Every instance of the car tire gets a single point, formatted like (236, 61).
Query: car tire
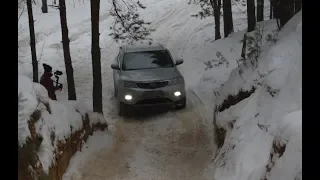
(182, 104)
(122, 109)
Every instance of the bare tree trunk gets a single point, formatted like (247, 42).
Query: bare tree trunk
(251, 15)
(285, 11)
(44, 7)
(297, 5)
(291, 8)
(96, 56)
(276, 12)
(32, 42)
(260, 13)
(227, 18)
(216, 10)
(271, 9)
(66, 51)
(244, 47)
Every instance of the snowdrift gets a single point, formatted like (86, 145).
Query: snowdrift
(50, 132)
(258, 114)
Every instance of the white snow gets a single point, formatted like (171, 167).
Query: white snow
(98, 141)
(262, 120)
(27, 104)
(192, 40)
(59, 121)
(62, 121)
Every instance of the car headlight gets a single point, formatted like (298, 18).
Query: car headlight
(128, 97)
(129, 84)
(174, 81)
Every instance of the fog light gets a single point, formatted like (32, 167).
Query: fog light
(128, 97)
(177, 93)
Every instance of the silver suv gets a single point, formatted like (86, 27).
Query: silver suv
(146, 76)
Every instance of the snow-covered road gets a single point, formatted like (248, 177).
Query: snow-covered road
(173, 145)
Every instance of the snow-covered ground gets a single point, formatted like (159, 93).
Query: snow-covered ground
(174, 145)
(264, 131)
(54, 121)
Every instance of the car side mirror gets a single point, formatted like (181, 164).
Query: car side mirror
(115, 66)
(179, 61)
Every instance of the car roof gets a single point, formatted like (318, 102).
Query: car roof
(142, 47)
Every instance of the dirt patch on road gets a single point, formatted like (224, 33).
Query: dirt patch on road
(114, 163)
(173, 146)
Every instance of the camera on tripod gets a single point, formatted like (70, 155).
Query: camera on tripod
(58, 73)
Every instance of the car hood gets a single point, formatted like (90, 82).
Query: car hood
(150, 74)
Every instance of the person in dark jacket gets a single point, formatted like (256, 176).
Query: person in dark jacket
(47, 82)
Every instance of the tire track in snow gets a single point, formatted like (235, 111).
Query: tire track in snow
(175, 145)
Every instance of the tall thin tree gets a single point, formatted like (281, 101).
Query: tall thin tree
(44, 6)
(32, 43)
(210, 8)
(227, 18)
(286, 11)
(251, 15)
(260, 8)
(216, 4)
(96, 57)
(66, 50)
(271, 9)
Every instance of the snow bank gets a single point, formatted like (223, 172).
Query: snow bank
(27, 104)
(263, 138)
(57, 121)
(98, 141)
(211, 67)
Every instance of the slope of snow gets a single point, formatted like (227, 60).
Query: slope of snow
(264, 141)
(27, 104)
(182, 137)
(58, 119)
(95, 143)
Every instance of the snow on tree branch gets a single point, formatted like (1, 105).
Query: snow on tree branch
(206, 9)
(128, 26)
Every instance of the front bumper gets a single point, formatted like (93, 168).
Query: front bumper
(152, 97)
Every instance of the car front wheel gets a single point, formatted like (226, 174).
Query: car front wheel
(121, 109)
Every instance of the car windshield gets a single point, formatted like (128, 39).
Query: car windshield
(147, 60)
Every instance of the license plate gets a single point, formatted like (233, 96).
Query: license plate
(153, 94)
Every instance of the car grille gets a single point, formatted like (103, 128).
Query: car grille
(152, 85)
(154, 101)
